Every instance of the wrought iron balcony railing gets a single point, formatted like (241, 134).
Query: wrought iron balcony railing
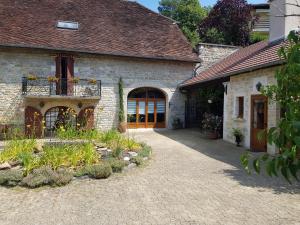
(41, 86)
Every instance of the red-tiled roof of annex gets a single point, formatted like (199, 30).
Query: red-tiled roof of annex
(108, 27)
(256, 56)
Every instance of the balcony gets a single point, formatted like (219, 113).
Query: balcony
(41, 87)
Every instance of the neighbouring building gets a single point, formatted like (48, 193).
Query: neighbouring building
(262, 14)
(65, 56)
(242, 74)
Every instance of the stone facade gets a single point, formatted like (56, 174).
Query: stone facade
(212, 53)
(244, 85)
(164, 75)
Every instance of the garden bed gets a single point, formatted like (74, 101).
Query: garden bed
(33, 163)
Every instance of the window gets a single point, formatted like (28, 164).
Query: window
(65, 73)
(240, 107)
(67, 25)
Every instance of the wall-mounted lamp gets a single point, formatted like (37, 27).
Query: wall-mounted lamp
(42, 104)
(80, 105)
(259, 86)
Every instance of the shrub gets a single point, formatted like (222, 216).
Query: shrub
(116, 165)
(111, 138)
(71, 133)
(10, 178)
(46, 176)
(28, 161)
(131, 144)
(137, 160)
(16, 147)
(99, 171)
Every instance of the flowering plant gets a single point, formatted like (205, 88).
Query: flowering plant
(212, 123)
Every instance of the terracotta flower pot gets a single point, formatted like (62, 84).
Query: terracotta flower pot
(122, 127)
(212, 135)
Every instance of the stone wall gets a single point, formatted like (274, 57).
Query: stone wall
(212, 53)
(245, 85)
(165, 75)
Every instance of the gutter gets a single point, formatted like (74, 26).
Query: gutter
(102, 54)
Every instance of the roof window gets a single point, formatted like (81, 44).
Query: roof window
(68, 25)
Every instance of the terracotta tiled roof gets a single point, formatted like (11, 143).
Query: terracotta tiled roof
(110, 27)
(259, 55)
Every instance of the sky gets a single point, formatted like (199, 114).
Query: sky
(153, 4)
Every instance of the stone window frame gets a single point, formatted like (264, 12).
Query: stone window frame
(237, 103)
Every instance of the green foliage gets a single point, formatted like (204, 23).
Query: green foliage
(72, 133)
(188, 13)
(117, 152)
(286, 135)
(212, 35)
(99, 171)
(112, 138)
(46, 176)
(116, 165)
(70, 156)
(145, 151)
(257, 37)
(10, 178)
(121, 102)
(138, 160)
(237, 133)
(15, 148)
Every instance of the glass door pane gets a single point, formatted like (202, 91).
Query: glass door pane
(151, 112)
(160, 111)
(259, 114)
(142, 112)
(131, 111)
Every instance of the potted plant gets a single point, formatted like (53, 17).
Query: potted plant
(92, 81)
(122, 124)
(212, 125)
(237, 133)
(177, 124)
(52, 79)
(32, 77)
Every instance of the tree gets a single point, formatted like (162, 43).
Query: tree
(230, 20)
(286, 135)
(188, 13)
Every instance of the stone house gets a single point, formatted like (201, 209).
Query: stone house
(242, 73)
(59, 57)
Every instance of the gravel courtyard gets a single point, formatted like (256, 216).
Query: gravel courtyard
(189, 181)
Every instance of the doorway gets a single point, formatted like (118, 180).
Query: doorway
(259, 123)
(146, 108)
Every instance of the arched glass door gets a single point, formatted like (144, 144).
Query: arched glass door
(146, 108)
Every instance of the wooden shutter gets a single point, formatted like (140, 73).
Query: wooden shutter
(33, 122)
(86, 118)
(58, 74)
(70, 75)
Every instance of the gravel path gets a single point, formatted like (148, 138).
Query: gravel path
(189, 181)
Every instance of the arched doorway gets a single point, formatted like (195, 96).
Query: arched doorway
(146, 108)
(57, 117)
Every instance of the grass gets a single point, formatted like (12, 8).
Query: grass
(71, 133)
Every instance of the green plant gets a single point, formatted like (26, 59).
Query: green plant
(117, 152)
(16, 147)
(121, 102)
(111, 138)
(116, 165)
(138, 160)
(237, 133)
(131, 144)
(145, 151)
(286, 135)
(11, 177)
(69, 155)
(28, 161)
(99, 171)
(46, 176)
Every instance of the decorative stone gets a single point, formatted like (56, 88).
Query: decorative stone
(145, 158)
(126, 158)
(131, 166)
(132, 154)
(5, 166)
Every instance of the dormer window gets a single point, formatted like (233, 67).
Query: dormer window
(68, 25)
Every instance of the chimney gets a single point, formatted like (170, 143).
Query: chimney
(284, 17)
